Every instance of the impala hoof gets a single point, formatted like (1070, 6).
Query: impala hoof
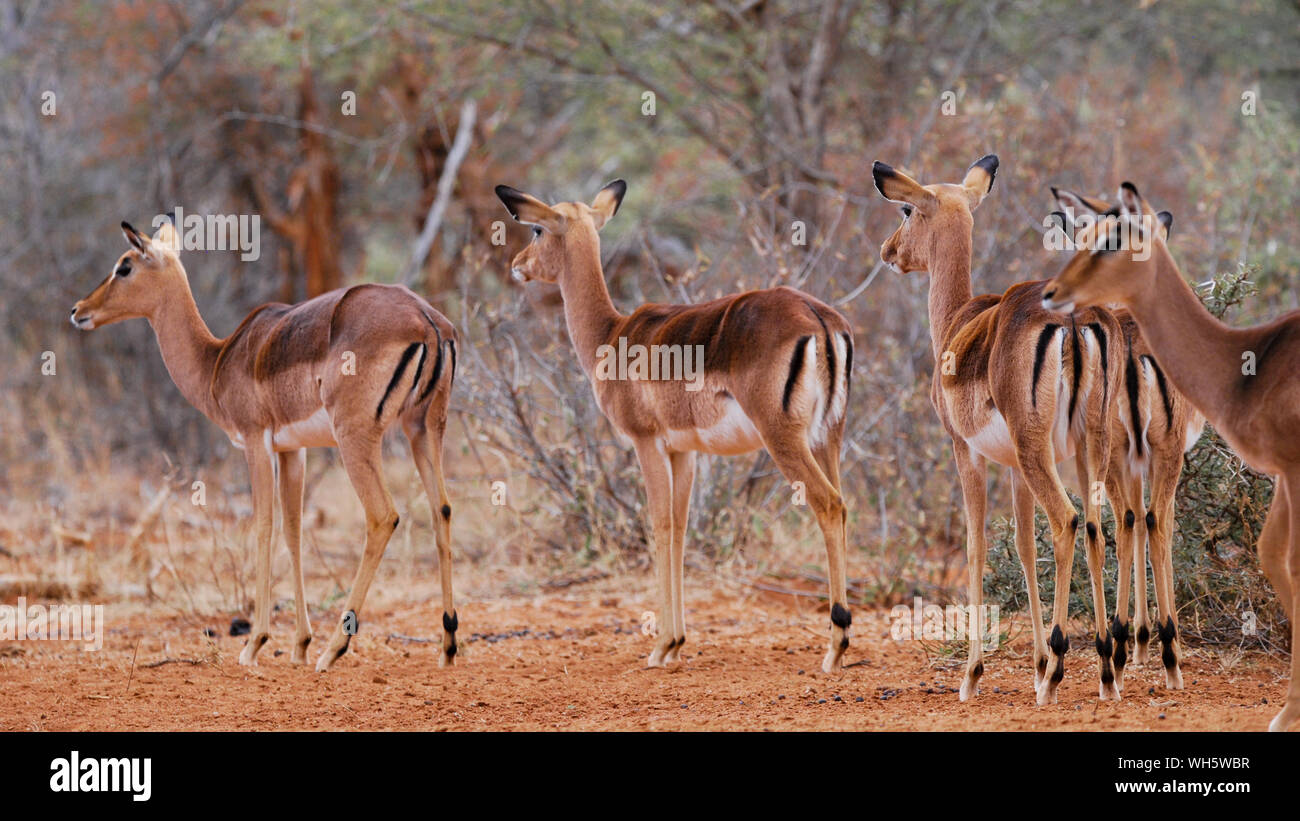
(248, 656)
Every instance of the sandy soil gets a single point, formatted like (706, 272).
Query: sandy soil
(575, 662)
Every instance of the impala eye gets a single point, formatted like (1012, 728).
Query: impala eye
(537, 231)
(907, 211)
(123, 268)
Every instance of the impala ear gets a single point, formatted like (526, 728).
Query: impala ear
(1073, 204)
(1130, 201)
(979, 179)
(531, 211)
(138, 241)
(606, 203)
(898, 187)
(166, 236)
(1166, 220)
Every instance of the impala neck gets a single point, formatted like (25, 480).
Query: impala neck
(1202, 356)
(189, 350)
(588, 311)
(949, 288)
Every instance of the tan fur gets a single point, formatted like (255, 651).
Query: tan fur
(750, 343)
(986, 349)
(281, 383)
(1258, 414)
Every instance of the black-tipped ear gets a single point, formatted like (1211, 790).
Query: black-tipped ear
(606, 203)
(134, 237)
(617, 189)
(989, 162)
(879, 174)
(1167, 220)
(511, 198)
(1130, 201)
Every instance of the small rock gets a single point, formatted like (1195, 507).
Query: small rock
(240, 626)
(821, 701)
(1161, 716)
(379, 680)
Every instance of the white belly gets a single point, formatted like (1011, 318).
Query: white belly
(993, 441)
(733, 433)
(313, 432)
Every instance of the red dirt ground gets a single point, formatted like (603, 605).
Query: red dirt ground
(576, 662)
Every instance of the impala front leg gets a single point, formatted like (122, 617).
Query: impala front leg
(292, 475)
(974, 490)
(683, 470)
(657, 471)
(261, 473)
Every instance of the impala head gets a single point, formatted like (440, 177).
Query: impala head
(139, 281)
(1117, 251)
(557, 229)
(932, 214)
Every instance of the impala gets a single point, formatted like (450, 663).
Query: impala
(776, 374)
(1021, 386)
(1244, 380)
(335, 371)
(1154, 425)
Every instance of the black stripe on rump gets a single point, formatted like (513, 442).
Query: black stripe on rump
(796, 366)
(1105, 364)
(397, 376)
(848, 365)
(1164, 391)
(1076, 356)
(1131, 388)
(1040, 353)
(437, 369)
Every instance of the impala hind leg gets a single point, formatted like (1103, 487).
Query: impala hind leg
(972, 470)
(1095, 547)
(362, 460)
(261, 472)
(292, 474)
(1120, 489)
(683, 472)
(425, 433)
(1022, 503)
(1284, 560)
(1039, 470)
(789, 448)
(1160, 525)
(657, 471)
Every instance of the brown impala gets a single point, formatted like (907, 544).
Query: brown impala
(1019, 386)
(1245, 380)
(775, 375)
(335, 371)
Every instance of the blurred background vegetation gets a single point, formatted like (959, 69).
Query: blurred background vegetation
(731, 120)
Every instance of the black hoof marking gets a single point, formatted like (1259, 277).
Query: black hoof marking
(1151, 520)
(1106, 646)
(446, 511)
(1129, 519)
(1059, 645)
(1121, 642)
(347, 640)
(844, 644)
(260, 640)
(1042, 665)
(1144, 635)
(450, 623)
(977, 671)
(680, 641)
(1092, 531)
(302, 645)
(840, 616)
(451, 651)
(1168, 632)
